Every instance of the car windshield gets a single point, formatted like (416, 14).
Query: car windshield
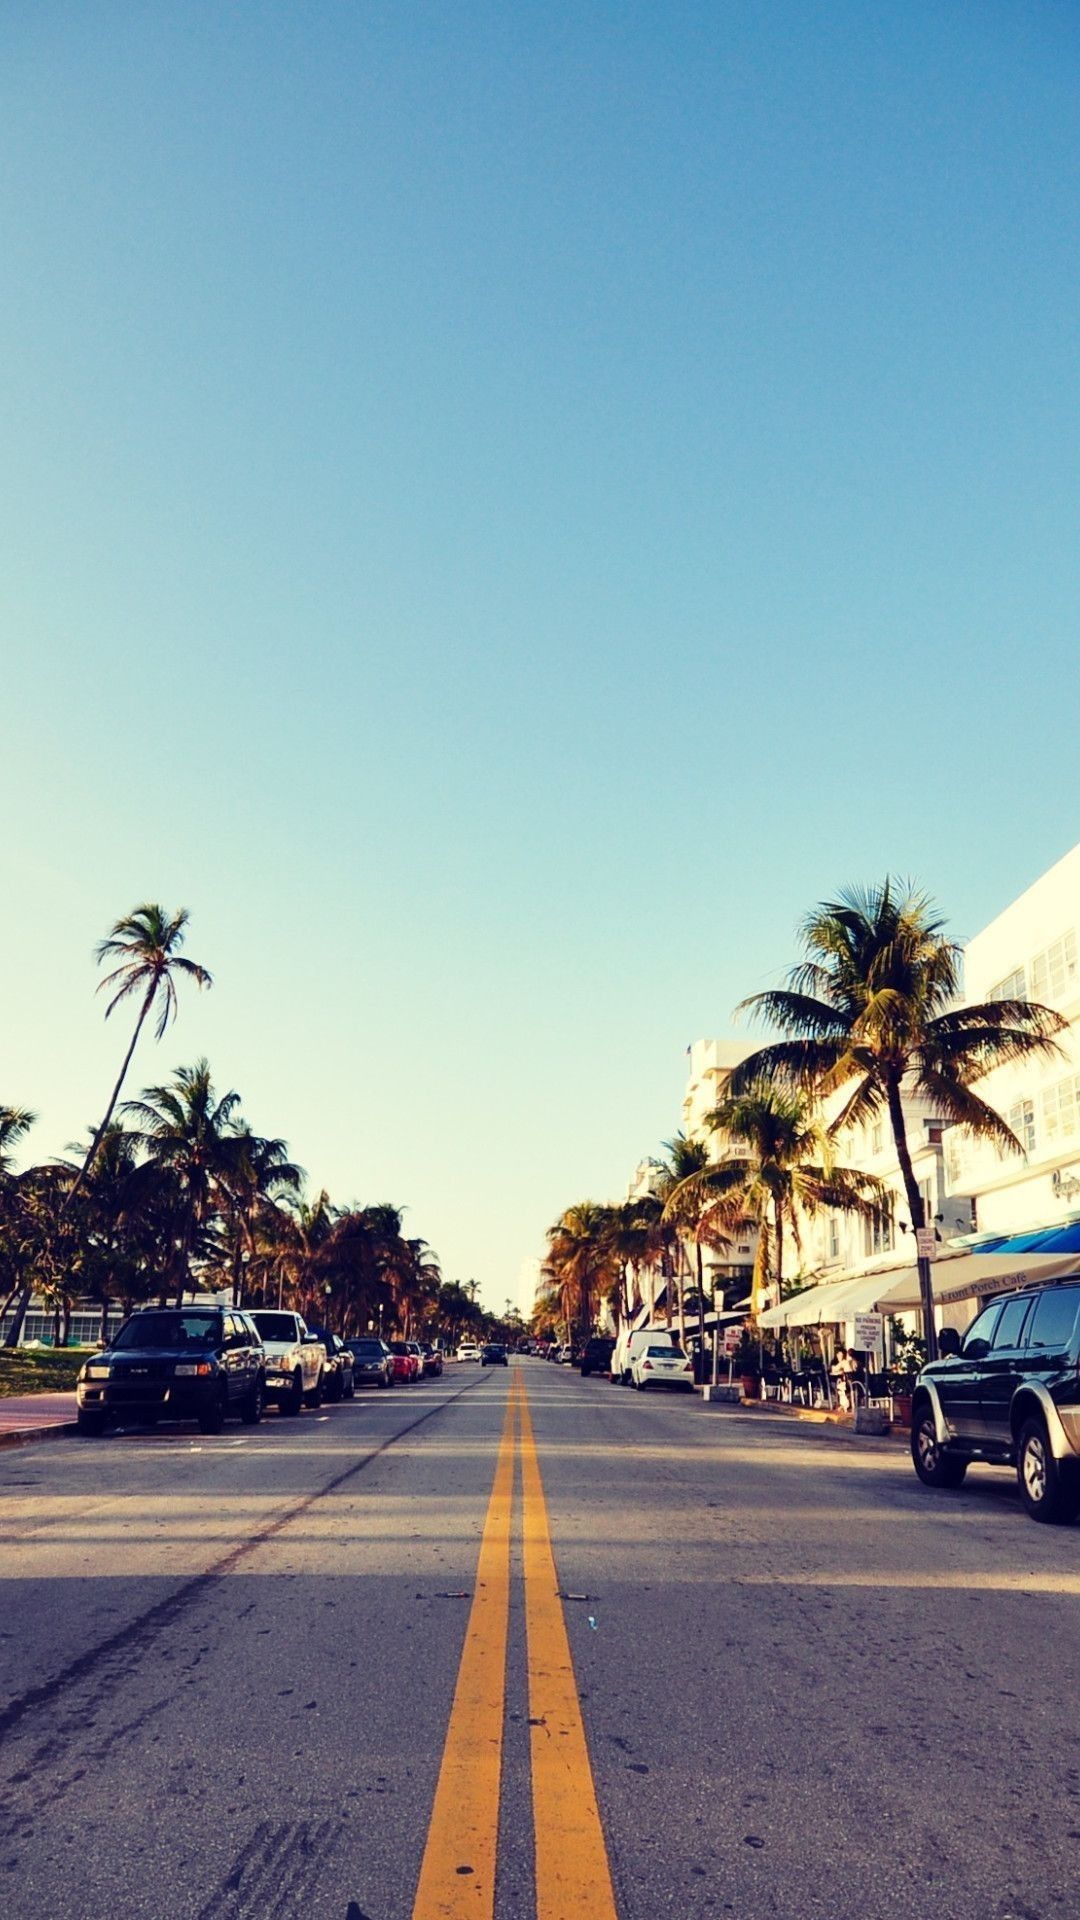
(170, 1330)
(662, 1353)
(367, 1349)
(398, 1346)
(275, 1326)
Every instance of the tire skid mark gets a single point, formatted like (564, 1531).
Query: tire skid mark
(137, 1635)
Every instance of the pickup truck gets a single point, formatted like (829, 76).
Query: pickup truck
(295, 1360)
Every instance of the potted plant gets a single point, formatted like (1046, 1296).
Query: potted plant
(909, 1356)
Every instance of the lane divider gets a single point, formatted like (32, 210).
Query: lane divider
(457, 1875)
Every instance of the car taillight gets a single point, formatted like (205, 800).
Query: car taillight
(646, 1366)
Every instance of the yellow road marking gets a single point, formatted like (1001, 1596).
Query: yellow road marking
(573, 1878)
(464, 1830)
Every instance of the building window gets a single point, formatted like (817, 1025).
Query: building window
(1054, 972)
(879, 1236)
(834, 1237)
(877, 1137)
(1021, 1118)
(1013, 987)
(926, 1195)
(954, 1160)
(1060, 1108)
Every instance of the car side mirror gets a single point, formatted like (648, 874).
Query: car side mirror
(978, 1350)
(948, 1343)
(311, 1340)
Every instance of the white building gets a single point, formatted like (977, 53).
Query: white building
(1029, 952)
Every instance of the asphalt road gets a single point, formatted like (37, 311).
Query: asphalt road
(230, 1669)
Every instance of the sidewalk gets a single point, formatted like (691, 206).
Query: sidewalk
(822, 1424)
(35, 1416)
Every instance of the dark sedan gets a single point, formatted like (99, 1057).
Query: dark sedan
(183, 1363)
(338, 1382)
(493, 1356)
(373, 1364)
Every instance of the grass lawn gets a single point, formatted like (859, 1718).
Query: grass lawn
(39, 1371)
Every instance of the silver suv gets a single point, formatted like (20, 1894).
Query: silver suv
(1008, 1393)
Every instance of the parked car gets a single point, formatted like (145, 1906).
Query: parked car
(373, 1364)
(1008, 1393)
(596, 1356)
(468, 1350)
(175, 1363)
(295, 1359)
(493, 1355)
(417, 1352)
(406, 1368)
(661, 1365)
(433, 1361)
(629, 1345)
(338, 1367)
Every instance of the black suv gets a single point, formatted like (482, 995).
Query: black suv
(596, 1357)
(1009, 1393)
(175, 1363)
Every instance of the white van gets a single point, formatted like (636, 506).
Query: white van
(630, 1346)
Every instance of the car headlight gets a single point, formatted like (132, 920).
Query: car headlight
(186, 1368)
(95, 1370)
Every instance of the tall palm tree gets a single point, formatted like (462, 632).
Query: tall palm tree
(780, 1169)
(580, 1260)
(146, 945)
(683, 1188)
(189, 1133)
(874, 1006)
(260, 1173)
(15, 1124)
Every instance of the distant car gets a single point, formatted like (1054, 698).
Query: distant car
(373, 1363)
(417, 1352)
(404, 1360)
(338, 1370)
(182, 1363)
(468, 1350)
(493, 1356)
(661, 1365)
(433, 1362)
(565, 1356)
(596, 1357)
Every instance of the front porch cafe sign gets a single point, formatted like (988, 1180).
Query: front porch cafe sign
(867, 1332)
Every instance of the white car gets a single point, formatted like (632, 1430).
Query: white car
(629, 1346)
(295, 1360)
(658, 1365)
(468, 1350)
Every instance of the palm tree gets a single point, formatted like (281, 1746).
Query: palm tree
(683, 1189)
(580, 1261)
(146, 944)
(780, 1169)
(189, 1134)
(874, 1006)
(15, 1124)
(261, 1175)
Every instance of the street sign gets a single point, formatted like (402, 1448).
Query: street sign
(925, 1243)
(732, 1337)
(867, 1332)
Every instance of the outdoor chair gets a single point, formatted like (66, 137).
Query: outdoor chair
(772, 1383)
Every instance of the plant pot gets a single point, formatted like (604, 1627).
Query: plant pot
(901, 1409)
(751, 1386)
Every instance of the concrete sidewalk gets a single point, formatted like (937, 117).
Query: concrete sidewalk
(35, 1416)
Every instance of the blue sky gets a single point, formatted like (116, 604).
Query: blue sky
(503, 508)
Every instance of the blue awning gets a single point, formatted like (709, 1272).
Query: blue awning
(1063, 1240)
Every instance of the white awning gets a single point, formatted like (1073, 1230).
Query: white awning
(896, 1289)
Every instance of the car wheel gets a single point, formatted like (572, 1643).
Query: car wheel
(90, 1424)
(935, 1466)
(251, 1408)
(294, 1400)
(348, 1393)
(383, 1381)
(1048, 1490)
(318, 1393)
(212, 1418)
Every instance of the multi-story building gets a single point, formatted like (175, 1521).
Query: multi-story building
(1031, 951)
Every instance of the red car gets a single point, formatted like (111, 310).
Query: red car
(406, 1365)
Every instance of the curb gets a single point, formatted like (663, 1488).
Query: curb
(30, 1436)
(824, 1425)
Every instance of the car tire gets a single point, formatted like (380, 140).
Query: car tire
(933, 1463)
(1049, 1491)
(91, 1424)
(294, 1399)
(349, 1392)
(383, 1381)
(318, 1393)
(212, 1418)
(251, 1407)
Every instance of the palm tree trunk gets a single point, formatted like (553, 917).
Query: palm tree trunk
(701, 1307)
(682, 1268)
(917, 1210)
(110, 1109)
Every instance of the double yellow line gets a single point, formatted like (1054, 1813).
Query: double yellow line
(457, 1876)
